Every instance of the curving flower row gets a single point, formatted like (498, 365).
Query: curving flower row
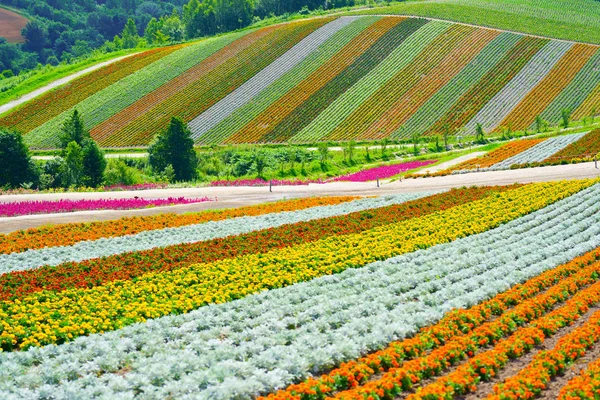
(383, 172)
(69, 234)
(584, 386)
(507, 305)
(50, 317)
(61, 206)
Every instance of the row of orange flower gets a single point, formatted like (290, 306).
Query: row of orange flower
(484, 366)
(68, 234)
(586, 385)
(355, 373)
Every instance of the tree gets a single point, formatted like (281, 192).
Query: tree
(130, 35)
(175, 147)
(479, 133)
(94, 164)
(16, 167)
(446, 136)
(72, 168)
(73, 130)
(565, 115)
(35, 36)
(259, 161)
(323, 154)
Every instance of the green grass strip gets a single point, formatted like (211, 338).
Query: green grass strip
(441, 101)
(345, 104)
(252, 109)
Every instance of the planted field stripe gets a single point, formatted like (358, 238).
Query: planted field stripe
(77, 312)
(119, 120)
(443, 100)
(259, 82)
(574, 95)
(273, 93)
(202, 93)
(103, 104)
(278, 111)
(583, 386)
(510, 95)
(382, 99)
(98, 271)
(500, 154)
(458, 322)
(406, 105)
(282, 329)
(539, 152)
(399, 30)
(351, 99)
(532, 105)
(590, 106)
(486, 88)
(41, 109)
(587, 146)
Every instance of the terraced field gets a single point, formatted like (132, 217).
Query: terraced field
(332, 78)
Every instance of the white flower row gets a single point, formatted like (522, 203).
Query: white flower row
(509, 97)
(266, 341)
(243, 94)
(146, 240)
(539, 152)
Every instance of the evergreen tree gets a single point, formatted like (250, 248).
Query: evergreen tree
(73, 130)
(174, 147)
(16, 166)
(71, 170)
(94, 164)
(130, 35)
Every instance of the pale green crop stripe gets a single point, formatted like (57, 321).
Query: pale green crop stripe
(282, 86)
(111, 100)
(349, 101)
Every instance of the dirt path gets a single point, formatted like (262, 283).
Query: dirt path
(12, 104)
(239, 196)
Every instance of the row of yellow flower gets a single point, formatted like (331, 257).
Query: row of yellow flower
(50, 317)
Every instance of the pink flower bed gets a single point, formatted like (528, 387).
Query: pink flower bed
(61, 206)
(383, 172)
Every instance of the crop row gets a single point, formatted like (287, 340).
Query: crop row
(121, 94)
(587, 146)
(68, 234)
(274, 114)
(454, 324)
(574, 96)
(539, 152)
(120, 119)
(353, 97)
(282, 330)
(479, 94)
(442, 101)
(502, 153)
(404, 377)
(589, 106)
(46, 207)
(95, 272)
(302, 115)
(147, 240)
(563, 73)
(203, 93)
(584, 386)
(382, 172)
(51, 104)
(406, 105)
(262, 80)
(75, 312)
(486, 365)
(505, 100)
(298, 74)
(371, 109)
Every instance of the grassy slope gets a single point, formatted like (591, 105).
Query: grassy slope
(577, 20)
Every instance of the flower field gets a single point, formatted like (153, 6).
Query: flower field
(47, 207)
(328, 78)
(238, 303)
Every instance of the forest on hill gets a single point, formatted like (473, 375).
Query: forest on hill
(62, 30)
